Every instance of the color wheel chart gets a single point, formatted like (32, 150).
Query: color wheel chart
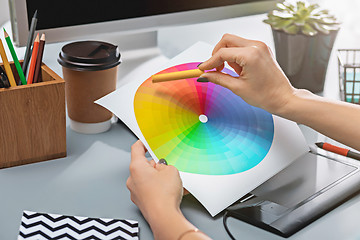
(202, 128)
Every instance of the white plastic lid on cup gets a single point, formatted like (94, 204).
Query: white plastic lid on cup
(90, 128)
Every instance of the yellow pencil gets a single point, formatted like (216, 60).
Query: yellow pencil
(7, 65)
(15, 58)
(164, 77)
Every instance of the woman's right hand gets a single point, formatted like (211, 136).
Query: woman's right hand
(261, 81)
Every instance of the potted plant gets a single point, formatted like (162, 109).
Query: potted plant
(304, 35)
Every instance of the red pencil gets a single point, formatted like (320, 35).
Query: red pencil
(33, 60)
(39, 59)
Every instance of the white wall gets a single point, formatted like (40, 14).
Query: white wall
(4, 11)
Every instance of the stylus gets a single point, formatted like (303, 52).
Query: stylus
(338, 150)
(29, 42)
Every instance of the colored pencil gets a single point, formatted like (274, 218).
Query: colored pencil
(39, 59)
(33, 60)
(164, 77)
(7, 67)
(29, 43)
(335, 149)
(15, 58)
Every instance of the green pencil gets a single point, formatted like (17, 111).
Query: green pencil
(16, 60)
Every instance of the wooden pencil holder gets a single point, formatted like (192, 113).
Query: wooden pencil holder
(32, 120)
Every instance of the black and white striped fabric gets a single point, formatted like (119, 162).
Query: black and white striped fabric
(53, 226)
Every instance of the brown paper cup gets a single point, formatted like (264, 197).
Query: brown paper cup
(90, 72)
(82, 89)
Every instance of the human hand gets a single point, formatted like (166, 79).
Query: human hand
(154, 187)
(261, 81)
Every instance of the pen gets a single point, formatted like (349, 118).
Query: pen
(164, 77)
(7, 67)
(335, 149)
(15, 58)
(29, 43)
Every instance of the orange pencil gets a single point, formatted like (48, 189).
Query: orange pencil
(33, 60)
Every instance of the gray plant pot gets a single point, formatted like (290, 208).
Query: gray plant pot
(304, 59)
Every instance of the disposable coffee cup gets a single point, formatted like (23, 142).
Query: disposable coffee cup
(90, 72)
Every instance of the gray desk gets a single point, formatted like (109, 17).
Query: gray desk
(90, 181)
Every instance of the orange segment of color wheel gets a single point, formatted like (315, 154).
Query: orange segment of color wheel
(176, 75)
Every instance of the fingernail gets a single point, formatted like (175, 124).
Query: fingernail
(162, 161)
(202, 79)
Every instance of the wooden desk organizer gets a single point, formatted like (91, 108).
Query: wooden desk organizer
(32, 120)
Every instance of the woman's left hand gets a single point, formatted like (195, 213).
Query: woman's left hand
(153, 186)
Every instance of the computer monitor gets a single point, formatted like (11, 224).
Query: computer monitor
(66, 20)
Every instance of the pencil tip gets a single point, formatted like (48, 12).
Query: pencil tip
(35, 14)
(42, 37)
(319, 144)
(37, 37)
(5, 33)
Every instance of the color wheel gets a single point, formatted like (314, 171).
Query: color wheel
(202, 128)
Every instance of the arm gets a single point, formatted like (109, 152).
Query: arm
(157, 190)
(335, 119)
(263, 84)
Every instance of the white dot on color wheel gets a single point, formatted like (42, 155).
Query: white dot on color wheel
(203, 118)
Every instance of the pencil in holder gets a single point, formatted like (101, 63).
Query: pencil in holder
(349, 74)
(33, 120)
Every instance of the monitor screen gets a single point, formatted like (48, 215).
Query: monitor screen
(70, 12)
(73, 19)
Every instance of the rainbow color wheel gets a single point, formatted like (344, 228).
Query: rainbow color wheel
(202, 128)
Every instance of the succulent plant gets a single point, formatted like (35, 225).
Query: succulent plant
(295, 17)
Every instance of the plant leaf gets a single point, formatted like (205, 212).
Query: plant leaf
(333, 27)
(281, 14)
(281, 6)
(291, 29)
(289, 5)
(328, 20)
(285, 22)
(273, 20)
(308, 30)
(313, 7)
(300, 5)
(321, 28)
(299, 22)
(303, 13)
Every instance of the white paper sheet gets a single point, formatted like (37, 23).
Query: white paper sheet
(215, 192)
